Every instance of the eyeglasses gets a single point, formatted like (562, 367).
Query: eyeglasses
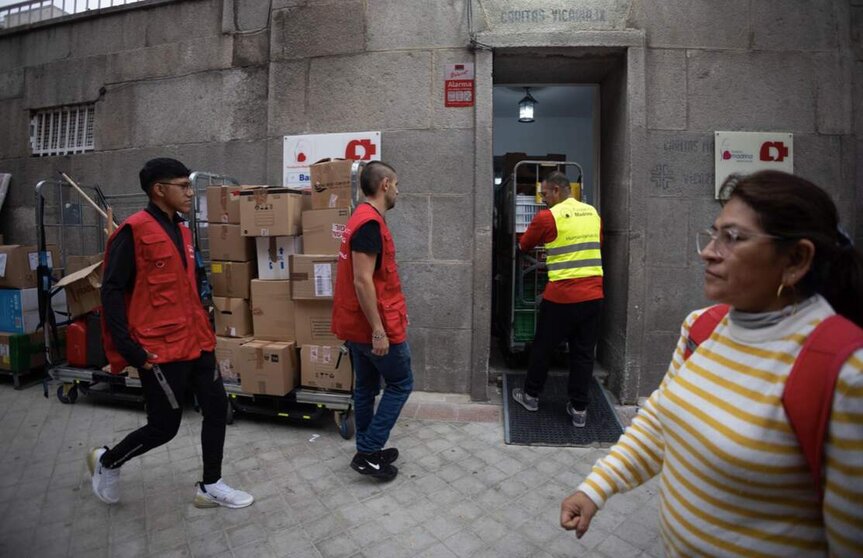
(724, 240)
(185, 186)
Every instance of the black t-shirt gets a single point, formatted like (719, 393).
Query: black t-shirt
(368, 240)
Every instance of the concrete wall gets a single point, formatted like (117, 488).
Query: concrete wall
(217, 83)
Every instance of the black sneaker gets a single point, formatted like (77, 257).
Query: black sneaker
(389, 455)
(373, 465)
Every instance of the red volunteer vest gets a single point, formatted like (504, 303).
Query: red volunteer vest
(349, 321)
(164, 310)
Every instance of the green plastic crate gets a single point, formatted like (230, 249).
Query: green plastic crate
(524, 326)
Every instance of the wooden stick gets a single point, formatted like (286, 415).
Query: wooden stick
(86, 197)
(111, 226)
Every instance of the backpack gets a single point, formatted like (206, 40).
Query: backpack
(808, 395)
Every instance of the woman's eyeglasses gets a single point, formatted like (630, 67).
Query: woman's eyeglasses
(724, 240)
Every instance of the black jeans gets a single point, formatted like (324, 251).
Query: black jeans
(578, 324)
(163, 421)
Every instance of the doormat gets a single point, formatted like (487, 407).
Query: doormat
(551, 425)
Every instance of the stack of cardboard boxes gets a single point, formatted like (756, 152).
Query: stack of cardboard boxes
(21, 346)
(232, 259)
(274, 330)
(322, 362)
(252, 232)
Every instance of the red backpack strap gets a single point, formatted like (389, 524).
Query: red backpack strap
(703, 326)
(809, 389)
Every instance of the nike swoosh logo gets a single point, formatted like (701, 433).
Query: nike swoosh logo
(373, 466)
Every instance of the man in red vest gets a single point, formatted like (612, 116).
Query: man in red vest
(369, 312)
(153, 319)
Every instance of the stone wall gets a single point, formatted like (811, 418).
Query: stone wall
(217, 83)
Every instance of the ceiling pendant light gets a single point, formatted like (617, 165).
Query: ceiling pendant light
(526, 106)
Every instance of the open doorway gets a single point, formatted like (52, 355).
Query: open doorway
(561, 132)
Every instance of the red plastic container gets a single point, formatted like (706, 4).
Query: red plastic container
(76, 343)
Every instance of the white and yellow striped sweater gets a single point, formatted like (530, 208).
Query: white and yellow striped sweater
(733, 480)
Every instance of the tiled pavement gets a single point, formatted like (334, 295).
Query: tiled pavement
(460, 491)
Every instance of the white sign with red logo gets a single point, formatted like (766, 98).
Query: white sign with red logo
(458, 85)
(300, 152)
(748, 152)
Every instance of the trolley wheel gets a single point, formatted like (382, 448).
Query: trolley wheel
(229, 418)
(67, 396)
(345, 422)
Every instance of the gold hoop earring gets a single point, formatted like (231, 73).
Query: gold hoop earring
(779, 290)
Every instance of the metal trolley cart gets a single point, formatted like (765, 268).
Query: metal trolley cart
(521, 277)
(72, 224)
(66, 219)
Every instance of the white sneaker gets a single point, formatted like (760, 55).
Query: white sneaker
(220, 494)
(106, 482)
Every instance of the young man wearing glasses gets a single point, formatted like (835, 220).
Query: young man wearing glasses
(153, 319)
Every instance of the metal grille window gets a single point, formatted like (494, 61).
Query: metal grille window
(62, 130)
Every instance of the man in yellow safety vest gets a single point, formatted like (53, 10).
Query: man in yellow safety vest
(572, 300)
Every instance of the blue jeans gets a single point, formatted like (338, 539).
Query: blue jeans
(373, 428)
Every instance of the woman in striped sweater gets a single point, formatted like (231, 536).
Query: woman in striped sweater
(733, 479)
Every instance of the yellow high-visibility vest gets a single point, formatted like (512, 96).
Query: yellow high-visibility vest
(575, 251)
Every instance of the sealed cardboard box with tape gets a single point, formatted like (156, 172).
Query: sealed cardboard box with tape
(233, 316)
(268, 367)
(313, 276)
(227, 244)
(271, 211)
(228, 359)
(272, 310)
(331, 183)
(323, 230)
(232, 279)
(18, 265)
(223, 204)
(313, 320)
(325, 367)
(273, 254)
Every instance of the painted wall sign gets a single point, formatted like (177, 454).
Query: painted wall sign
(748, 152)
(458, 85)
(301, 151)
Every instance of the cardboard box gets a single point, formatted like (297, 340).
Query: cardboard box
(313, 276)
(313, 321)
(233, 317)
(20, 352)
(18, 265)
(231, 279)
(270, 212)
(19, 309)
(272, 310)
(273, 254)
(323, 229)
(83, 289)
(227, 244)
(223, 204)
(268, 367)
(325, 367)
(77, 263)
(331, 183)
(228, 357)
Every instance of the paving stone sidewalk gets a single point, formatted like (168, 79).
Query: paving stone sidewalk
(461, 492)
